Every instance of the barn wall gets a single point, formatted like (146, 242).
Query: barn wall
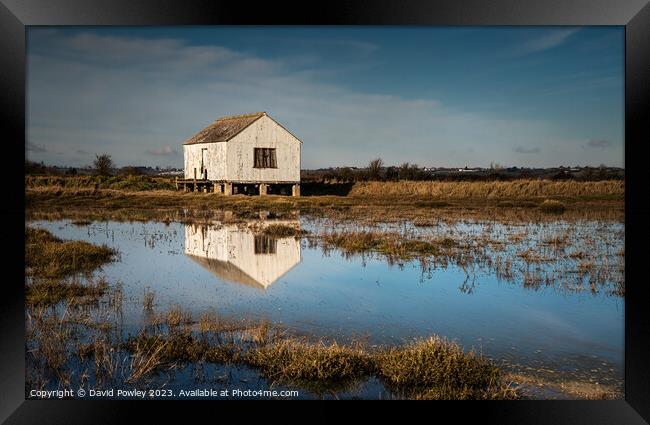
(215, 160)
(264, 268)
(207, 241)
(237, 246)
(263, 133)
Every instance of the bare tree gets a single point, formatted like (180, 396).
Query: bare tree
(374, 169)
(496, 166)
(345, 174)
(410, 172)
(392, 174)
(103, 164)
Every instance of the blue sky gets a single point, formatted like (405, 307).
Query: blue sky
(435, 96)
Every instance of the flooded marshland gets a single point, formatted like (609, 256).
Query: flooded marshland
(543, 300)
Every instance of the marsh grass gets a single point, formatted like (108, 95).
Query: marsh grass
(282, 231)
(127, 183)
(438, 190)
(435, 368)
(54, 291)
(371, 201)
(205, 208)
(148, 299)
(317, 366)
(53, 266)
(502, 190)
(47, 256)
(426, 368)
(552, 206)
(390, 244)
(176, 316)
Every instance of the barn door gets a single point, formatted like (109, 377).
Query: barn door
(204, 170)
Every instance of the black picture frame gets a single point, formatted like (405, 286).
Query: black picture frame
(15, 15)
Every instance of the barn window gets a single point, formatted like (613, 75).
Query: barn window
(264, 244)
(265, 158)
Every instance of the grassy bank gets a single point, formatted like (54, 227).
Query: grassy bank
(373, 201)
(47, 256)
(440, 190)
(127, 183)
(50, 261)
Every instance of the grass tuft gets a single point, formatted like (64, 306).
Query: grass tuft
(315, 366)
(552, 206)
(434, 368)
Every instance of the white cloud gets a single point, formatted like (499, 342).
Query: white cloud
(164, 151)
(553, 38)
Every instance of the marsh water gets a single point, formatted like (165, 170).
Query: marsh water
(546, 316)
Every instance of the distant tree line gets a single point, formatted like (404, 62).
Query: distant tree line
(377, 171)
(103, 165)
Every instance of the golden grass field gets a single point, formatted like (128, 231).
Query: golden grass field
(72, 197)
(517, 189)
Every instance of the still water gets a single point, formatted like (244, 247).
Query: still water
(236, 271)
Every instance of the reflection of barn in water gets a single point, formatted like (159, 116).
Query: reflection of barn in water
(242, 254)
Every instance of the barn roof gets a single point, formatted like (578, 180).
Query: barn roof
(225, 128)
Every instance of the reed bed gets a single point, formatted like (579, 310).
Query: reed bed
(62, 344)
(517, 189)
(564, 256)
(128, 183)
(390, 244)
(424, 368)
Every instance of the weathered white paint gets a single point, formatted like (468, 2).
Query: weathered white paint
(224, 245)
(233, 160)
(263, 133)
(214, 160)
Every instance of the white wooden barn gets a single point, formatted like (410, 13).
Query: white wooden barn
(245, 154)
(243, 255)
